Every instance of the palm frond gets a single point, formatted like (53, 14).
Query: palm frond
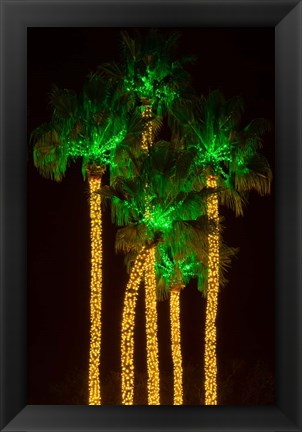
(233, 199)
(49, 154)
(108, 192)
(232, 114)
(184, 164)
(162, 289)
(111, 71)
(190, 236)
(129, 44)
(257, 127)
(64, 102)
(226, 255)
(252, 172)
(95, 90)
(130, 237)
(254, 180)
(188, 206)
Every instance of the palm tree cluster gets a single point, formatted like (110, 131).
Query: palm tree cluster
(164, 194)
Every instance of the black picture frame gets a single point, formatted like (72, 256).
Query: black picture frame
(286, 17)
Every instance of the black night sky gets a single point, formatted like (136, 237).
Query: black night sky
(236, 61)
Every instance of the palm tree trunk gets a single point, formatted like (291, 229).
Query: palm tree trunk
(212, 298)
(127, 343)
(176, 343)
(150, 297)
(94, 177)
(151, 330)
(147, 135)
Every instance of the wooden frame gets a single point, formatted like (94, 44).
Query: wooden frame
(286, 17)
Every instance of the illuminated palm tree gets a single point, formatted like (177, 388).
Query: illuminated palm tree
(82, 127)
(229, 156)
(174, 271)
(151, 78)
(155, 206)
(173, 274)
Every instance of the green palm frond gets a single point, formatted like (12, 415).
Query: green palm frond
(184, 164)
(127, 201)
(211, 125)
(233, 199)
(135, 124)
(162, 289)
(130, 46)
(231, 117)
(188, 205)
(187, 110)
(130, 237)
(176, 268)
(157, 124)
(251, 171)
(202, 281)
(112, 71)
(49, 154)
(149, 71)
(257, 128)
(109, 192)
(131, 188)
(96, 93)
(255, 180)
(161, 158)
(189, 236)
(63, 102)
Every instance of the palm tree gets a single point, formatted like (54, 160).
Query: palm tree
(173, 274)
(83, 127)
(229, 156)
(149, 74)
(151, 79)
(155, 206)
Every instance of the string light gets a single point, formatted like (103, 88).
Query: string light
(95, 289)
(176, 344)
(151, 330)
(127, 343)
(212, 299)
(150, 289)
(147, 135)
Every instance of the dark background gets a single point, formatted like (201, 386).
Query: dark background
(238, 62)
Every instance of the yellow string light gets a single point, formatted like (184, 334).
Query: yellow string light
(144, 263)
(150, 290)
(176, 344)
(147, 135)
(212, 299)
(151, 330)
(128, 320)
(95, 290)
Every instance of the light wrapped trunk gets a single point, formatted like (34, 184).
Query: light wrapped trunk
(147, 135)
(128, 321)
(94, 178)
(151, 331)
(150, 293)
(212, 297)
(176, 344)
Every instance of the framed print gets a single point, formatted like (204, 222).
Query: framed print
(256, 50)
